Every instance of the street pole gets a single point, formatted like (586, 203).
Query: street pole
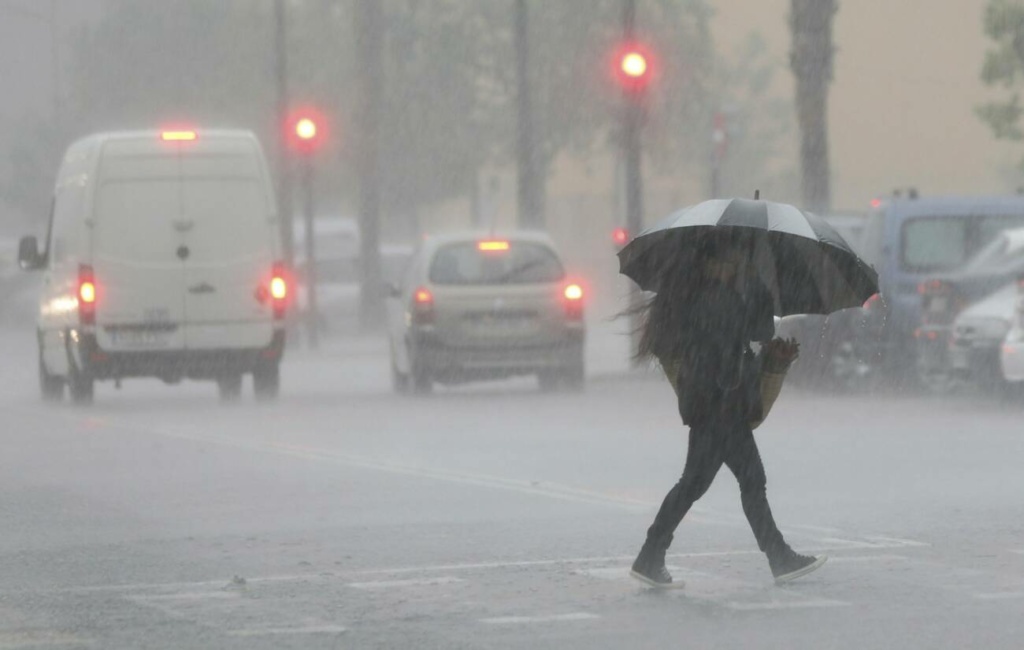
(312, 313)
(284, 176)
(530, 195)
(368, 17)
(632, 153)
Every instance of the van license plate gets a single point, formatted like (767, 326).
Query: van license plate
(140, 338)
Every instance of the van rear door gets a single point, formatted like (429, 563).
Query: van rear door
(139, 277)
(230, 238)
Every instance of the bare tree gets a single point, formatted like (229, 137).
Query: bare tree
(811, 60)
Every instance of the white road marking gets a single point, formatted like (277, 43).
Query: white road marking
(311, 629)
(415, 582)
(555, 618)
(1018, 551)
(881, 557)
(798, 604)
(1001, 595)
(15, 640)
(894, 542)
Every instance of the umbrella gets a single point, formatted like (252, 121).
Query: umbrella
(808, 266)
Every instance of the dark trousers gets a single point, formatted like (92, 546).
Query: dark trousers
(711, 445)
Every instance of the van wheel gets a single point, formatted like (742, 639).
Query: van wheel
(51, 388)
(266, 381)
(573, 376)
(229, 387)
(80, 386)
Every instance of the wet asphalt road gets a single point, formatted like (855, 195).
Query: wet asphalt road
(491, 517)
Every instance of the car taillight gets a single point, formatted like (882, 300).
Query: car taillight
(573, 299)
(86, 295)
(422, 306)
(279, 290)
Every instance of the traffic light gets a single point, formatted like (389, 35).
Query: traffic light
(633, 67)
(305, 130)
(620, 237)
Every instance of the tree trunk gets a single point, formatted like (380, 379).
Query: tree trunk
(811, 61)
(530, 181)
(369, 30)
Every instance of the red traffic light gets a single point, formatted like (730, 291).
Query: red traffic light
(305, 130)
(620, 237)
(633, 66)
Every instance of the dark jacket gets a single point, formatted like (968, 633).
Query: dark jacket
(717, 375)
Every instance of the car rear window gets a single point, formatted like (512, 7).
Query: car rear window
(522, 263)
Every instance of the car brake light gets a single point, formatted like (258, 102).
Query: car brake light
(178, 136)
(87, 292)
(573, 295)
(492, 246)
(86, 295)
(278, 289)
(422, 306)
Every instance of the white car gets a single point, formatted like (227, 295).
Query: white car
(1011, 355)
(162, 259)
(476, 306)
(978, 335)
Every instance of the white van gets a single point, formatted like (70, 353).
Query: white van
(162, 259)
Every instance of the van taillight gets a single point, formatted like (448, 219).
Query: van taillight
(422, 306)
(573, 299)
(86, 295)
(279, 289)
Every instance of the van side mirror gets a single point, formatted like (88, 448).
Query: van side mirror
(29, 258)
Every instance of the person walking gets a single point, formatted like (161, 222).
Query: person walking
(700, 331)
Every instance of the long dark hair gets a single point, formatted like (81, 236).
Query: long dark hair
(662, 318)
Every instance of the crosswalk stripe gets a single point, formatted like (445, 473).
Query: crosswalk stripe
(556, 618)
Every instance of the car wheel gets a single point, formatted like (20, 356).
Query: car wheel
(422, 384)
(81, 386)
(547, 381)
(266, 381)
(229, 387)
(399, 381)
(51, 388)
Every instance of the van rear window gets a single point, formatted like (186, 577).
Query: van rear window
(522, 263)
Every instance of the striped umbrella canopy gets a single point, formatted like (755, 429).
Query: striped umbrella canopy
(808, 266)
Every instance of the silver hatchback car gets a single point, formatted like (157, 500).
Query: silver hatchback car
(472, 307)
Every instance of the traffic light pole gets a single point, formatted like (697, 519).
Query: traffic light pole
(312, 313)
(284, 187)
(632, 122)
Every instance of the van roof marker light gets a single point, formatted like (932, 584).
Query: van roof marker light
(178, 136)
